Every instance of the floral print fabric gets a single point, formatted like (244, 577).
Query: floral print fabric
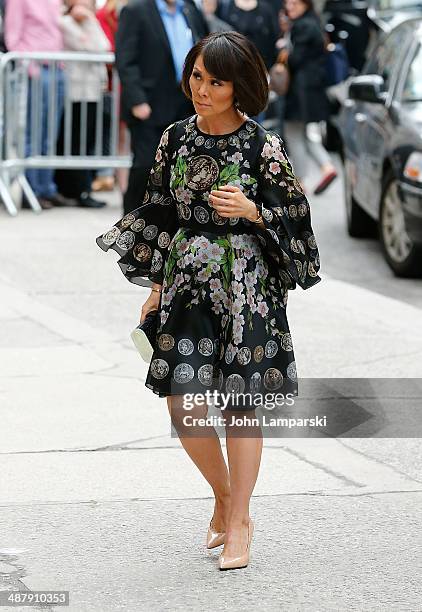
(222, 317)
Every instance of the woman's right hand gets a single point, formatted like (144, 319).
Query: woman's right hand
(151, 304)
(142, 111)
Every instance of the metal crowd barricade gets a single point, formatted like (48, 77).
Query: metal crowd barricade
(20, 121)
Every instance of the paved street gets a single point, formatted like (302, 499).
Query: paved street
(98, 499)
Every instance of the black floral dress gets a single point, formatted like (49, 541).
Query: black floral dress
(225, 281)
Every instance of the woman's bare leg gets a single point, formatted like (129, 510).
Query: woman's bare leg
(244, 455)
(205, 451)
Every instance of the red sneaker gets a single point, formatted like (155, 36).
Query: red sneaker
(325, 182)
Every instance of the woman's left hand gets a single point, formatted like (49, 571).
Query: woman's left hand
(230, 201)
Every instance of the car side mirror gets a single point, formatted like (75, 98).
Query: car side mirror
(368, 88)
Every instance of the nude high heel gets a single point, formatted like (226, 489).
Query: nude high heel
(215, 538)
(226, 563)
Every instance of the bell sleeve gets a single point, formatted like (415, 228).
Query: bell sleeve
(288, 236)
(142, 237)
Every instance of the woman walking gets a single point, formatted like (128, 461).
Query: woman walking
(306, 102)
(224, 231)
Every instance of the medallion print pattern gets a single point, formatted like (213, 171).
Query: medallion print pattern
(225, 281)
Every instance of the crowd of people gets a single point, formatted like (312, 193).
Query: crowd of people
(151, 39)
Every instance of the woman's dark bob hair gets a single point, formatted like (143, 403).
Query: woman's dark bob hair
(230, 56)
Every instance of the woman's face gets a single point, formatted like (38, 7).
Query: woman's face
(295, 8)
(210, 96)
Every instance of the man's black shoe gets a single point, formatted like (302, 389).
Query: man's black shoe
(86, 201)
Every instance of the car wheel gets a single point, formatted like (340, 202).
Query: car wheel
(402, 254)
(359, 223)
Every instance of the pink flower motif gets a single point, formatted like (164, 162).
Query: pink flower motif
(184, 195)
(275, 142)
(203, 242)
(217, 308)
(250, 299)
(267, 150)
(165, 138)
(274, 167)
(166, 299)
(226, 301)
(248, 252)
(278, 154)
(237, 307)
(262, 309)
(182, 246)
(203, 256)
(236, 157)
(178, 279)
(203, 275)
(158, 156)
(216, 251)
(215, 283)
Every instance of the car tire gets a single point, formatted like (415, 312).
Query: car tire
(401, 253)
(359, 223)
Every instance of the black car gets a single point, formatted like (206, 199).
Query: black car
(358, 23)
(381, 132)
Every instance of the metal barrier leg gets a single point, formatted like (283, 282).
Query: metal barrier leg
(6, 197)
(29, 194)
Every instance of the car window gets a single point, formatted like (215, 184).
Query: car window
(386, 56)
(390, 5)
(412, 90)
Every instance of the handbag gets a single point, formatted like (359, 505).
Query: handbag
(279, 79)
(145, 334)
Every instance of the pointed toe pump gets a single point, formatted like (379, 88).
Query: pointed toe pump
(214, 538)
(226, 563)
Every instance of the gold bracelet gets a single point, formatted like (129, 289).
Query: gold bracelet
(258, 220)
(157, 290)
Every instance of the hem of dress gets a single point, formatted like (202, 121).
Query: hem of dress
(143, 278)
(158, 391)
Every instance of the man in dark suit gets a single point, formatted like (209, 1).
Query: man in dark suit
(152, 41)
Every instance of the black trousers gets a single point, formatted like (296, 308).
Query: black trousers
(72, 183)
(138, 180)
(144, 138)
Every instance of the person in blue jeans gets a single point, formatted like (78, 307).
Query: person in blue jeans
(42, 179)
(35, 26)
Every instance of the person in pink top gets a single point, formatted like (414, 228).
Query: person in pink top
(36, 26)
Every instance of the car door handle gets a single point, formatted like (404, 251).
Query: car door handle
(360, 117)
